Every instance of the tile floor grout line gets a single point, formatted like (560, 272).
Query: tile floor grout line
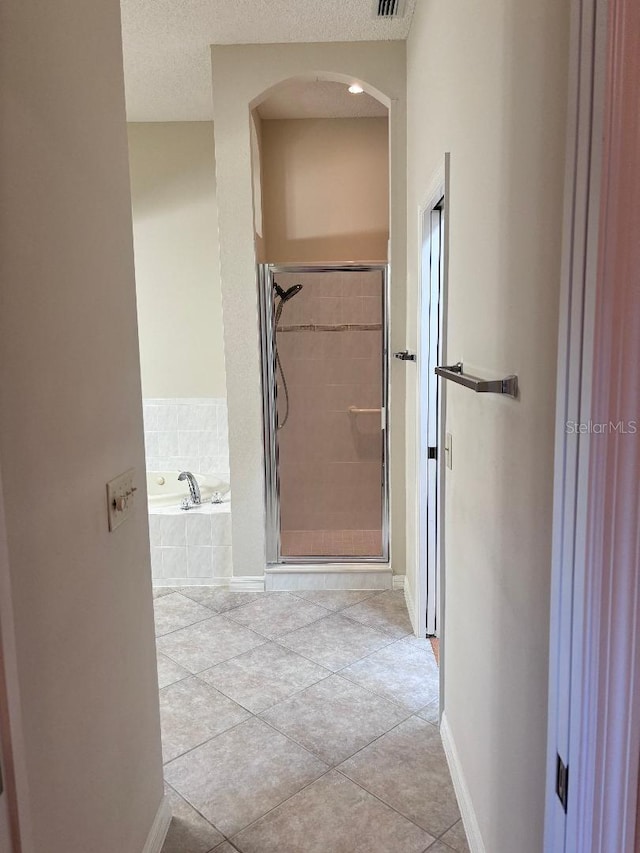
(286, 800)
(177, 681)
(291, 695)
(220, 612)
(375, 627)
(198, 745)
(363, 785)
(372, 592)
(409, 713)
(294, 741)
(451, 827)
(235, 625)
(388, 805)
(397, 702)
(317, 619)
(182, 627)
(342, 760)
(265, 641)
(197, 811)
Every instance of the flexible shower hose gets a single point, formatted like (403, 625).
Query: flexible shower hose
(282, 376)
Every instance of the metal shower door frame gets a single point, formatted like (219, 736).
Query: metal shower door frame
(269, 411)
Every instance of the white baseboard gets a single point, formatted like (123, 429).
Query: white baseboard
(330, 576)
(411, 607)
(469, 819)
(159, 828)
(158, 583)
(250, 583)
(398, 581)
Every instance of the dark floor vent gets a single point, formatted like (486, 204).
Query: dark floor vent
(389, 8)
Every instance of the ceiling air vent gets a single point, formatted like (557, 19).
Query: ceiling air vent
(389, 8)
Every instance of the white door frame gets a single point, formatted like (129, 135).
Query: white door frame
(14, 764)
(594, 724)
(437, 190)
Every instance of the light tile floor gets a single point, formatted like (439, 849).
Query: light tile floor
(300, 723)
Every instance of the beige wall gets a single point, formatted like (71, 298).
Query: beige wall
(326, 189)
(488, 83)
(70, 420)
(175, 230)
(241, 75)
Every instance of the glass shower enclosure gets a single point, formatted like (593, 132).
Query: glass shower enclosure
(324, 338)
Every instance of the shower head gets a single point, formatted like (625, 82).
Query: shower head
(286, 295)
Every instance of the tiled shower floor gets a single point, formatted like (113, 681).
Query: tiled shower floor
(301, 723)
(331, 543)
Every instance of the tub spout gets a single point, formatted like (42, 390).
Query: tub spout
(194, 488)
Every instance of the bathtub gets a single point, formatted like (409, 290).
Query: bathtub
(164, 488)
(189, 547)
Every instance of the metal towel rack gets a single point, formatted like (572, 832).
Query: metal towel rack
(354, 410)
(455, 372)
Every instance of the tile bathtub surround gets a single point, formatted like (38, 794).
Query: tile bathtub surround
(187, 434)
(191, 547)
(275, 752)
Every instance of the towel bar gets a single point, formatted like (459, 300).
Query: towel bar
(455, 373)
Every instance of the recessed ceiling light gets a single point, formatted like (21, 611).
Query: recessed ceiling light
(356, 89)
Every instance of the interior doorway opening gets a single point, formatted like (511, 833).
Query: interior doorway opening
(434, 452)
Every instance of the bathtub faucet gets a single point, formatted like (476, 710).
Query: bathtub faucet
(194, 488)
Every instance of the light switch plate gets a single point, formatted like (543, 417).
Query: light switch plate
(120, 498)
(448, 450)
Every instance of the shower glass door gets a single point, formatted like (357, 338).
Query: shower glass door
(324, 360)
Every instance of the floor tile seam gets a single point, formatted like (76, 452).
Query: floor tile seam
(261, 637)
(431, 846)
(263, 642)
(402, 705)
(182, 627)
(390, 806)
(248, 651)
(337, 767)
(310, 660)
(353, 621)
(280, 701)
(177, 681)
(294, 741)
(371, 742)
(204, 742)
(270, 637)
(278, 805)
(315, 754)
(371, 594)
(409, 712)
(199, 813)
(266, 594)
(215, 690)
(187, 598)
(377, 628)
(453, 824)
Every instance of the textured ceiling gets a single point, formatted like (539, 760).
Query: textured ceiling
(319, 99)
(166, 43)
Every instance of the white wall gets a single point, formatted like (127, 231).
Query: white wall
(488, 83)
(175, 230)
(241, 74)
(70, 420)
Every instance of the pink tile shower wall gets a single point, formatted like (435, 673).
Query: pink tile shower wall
(330, 460)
